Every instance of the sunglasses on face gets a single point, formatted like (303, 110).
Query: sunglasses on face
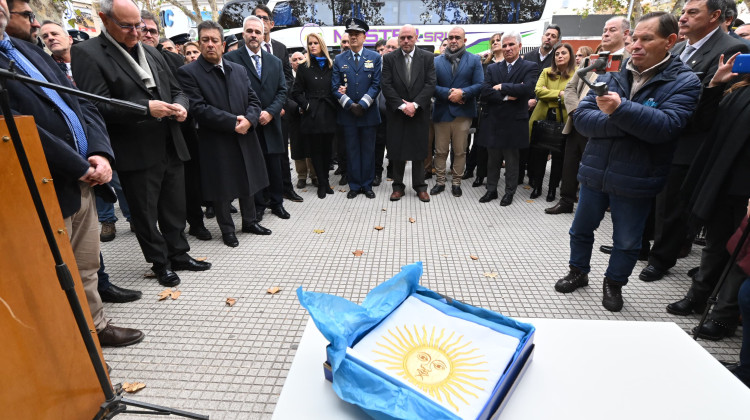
(29, 15)
(151, 31)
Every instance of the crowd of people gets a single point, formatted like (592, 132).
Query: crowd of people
(663, 150)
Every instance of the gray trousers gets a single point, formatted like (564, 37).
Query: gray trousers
(495, 162)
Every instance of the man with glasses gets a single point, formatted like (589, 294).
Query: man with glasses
(459, 82)
(22, 24)
(150, 148)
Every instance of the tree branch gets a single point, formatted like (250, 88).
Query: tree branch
(194, 14)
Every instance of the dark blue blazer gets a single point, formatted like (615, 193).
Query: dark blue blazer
(468, 78)
(362, 86)
(65, 164)
(271, 89)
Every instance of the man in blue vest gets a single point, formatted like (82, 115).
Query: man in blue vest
(356, 85)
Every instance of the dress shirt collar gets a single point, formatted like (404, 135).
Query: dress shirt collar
(702, 41)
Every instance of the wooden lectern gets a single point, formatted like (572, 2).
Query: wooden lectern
(46, 370)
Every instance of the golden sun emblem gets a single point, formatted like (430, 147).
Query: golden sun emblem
(443, 367)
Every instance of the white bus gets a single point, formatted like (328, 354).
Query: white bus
(294, 19)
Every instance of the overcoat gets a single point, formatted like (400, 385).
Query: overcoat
(312, 92)
(407, 136)
(232, 164)
(505, 121)
(271, 89)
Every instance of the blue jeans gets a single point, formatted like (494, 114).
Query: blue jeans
(102, 276)
(629, 217)
(106, 211)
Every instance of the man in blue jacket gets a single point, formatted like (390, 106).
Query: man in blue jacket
(356, 84)
(459, 82)
(633, 132)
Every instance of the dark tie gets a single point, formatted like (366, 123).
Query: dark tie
(268, 47)
(74, 124)
(356, 59)
(219, 68)
(510, 66)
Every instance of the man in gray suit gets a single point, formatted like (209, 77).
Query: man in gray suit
(266, 75)
(705, 42)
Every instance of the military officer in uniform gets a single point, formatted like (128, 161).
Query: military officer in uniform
(356, 85)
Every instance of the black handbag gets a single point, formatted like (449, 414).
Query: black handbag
(548, 133)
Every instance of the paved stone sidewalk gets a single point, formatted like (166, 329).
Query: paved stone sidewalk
(230, 362)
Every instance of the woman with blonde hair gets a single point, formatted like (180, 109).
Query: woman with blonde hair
(549, 91)
(312, 92)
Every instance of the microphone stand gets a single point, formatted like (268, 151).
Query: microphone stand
(114, 404)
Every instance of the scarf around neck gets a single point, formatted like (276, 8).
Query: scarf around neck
(454, 57)
(141, 67)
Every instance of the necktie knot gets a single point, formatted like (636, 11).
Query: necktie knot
(510, 66)
(6, 45)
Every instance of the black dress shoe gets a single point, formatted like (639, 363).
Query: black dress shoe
(190, 264)
(259, 215)
(572, 281)
(230, 239)
(507, 199)
(685, 307)
(428, 175)
(369, 194)
(377, 180)
(559, 208)
(651, 273)
(536, 193)
(344, 180)
(352, 194)
(112, 336)
(115, 294)
(437, 189)
(200, 232)
(478, 182)
(167, 278)
(280, 212)
(612, 297)
(456, 191)
(329, 190)
(291, 195)
(321, 193)
(551, 195)
(301, 183)
(488, 196)
(715, 330)
(210, 213)
(605, 249)
(232, 209)
(468, 175)
(256, 229)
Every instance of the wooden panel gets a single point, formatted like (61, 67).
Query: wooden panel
(45, 368)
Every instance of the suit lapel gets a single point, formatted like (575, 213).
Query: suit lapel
(164, 92)
(248, 62)
(123, 63)
(264, 56)
(697, 60)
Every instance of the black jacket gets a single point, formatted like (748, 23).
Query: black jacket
(312, 93)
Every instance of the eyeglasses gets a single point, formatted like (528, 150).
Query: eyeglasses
(29, 15)
(146, 29)
(454, 37)
(264, 17)
(137, 27)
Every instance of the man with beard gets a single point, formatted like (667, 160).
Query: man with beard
(459, 82)
(22, 23)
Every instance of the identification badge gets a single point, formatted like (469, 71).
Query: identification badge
(344, 67)
(368, 64)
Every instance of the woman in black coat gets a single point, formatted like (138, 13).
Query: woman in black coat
(312, 92)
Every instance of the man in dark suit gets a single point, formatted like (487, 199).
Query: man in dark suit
(705, 42)
(506, 90)
(408, 86)
(355, 84)
(150, 148)
(278, 49)
(459, 80)
(267, 80)
(227, 111)
(76, 145)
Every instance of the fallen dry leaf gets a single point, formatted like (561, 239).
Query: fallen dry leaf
(474, 257)
(201, 259)
(176, 294)
(133, 387)
(412, 220)
(274, 290)
(149, 275)
(342, 190)
(490, 274)
(379, 228)
(231, 301)
(358, 253)
(383, 209)
(319, 231)
(529, 201)
(526, 187)
(165, 294)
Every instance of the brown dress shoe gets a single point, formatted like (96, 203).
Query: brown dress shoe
(559, 208)
(397, 195)
(112, 336)
(423, 196)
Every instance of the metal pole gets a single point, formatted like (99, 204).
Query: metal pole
(630, 9)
